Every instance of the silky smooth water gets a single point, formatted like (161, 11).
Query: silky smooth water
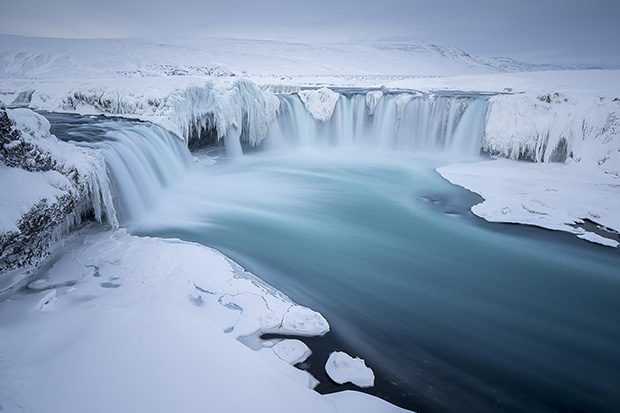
(453, 313)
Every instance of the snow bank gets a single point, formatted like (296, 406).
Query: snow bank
(553, 196)
(320, 103)
(343, 368)
(121, 323)
(47, 187)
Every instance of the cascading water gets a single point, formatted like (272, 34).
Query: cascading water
(142, 159)
(394, 121)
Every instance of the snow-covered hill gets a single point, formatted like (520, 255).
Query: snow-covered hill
(60, 58)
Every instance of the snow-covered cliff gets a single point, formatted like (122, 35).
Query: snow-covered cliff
(553, 127)
(48, 186)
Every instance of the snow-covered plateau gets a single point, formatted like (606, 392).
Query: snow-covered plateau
(181, 321)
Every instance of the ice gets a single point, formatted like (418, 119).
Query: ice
(292, 351)
(553, 196)
(553, 128)
(66, 159)
(48, 186)
(343, 368)
(241, 105)
(304, 322)
(372, 99)
(598, 239)
(320, 103)
(15, 202)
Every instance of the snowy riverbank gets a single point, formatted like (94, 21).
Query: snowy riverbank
(120, 323)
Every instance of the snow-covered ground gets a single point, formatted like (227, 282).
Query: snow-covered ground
(553, 196)
(32, 57)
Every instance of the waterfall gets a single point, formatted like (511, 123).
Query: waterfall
(395, 121)
(141, 159)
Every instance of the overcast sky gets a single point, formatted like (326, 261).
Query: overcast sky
(541, 31)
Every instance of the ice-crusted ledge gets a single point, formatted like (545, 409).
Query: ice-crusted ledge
(192, 108)
(129, 323)
(48, 186)
(320, 102)
(554, 127)
(372, 99)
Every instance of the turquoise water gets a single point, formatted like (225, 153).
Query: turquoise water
(453, 314)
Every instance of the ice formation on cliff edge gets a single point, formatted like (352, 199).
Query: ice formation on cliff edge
(193, 111)
(63, 183)
(554, 128)
(540, 127)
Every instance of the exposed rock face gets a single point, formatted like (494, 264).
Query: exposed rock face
(72, 181)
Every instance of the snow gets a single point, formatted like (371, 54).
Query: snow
(553, 196)
(15, 201)
(320, 103)
(372, 99)
(361, 402)
(292, 351)
(553, 127)
(221, 57)
(121, 323)
(68, 159)
(343, 368)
